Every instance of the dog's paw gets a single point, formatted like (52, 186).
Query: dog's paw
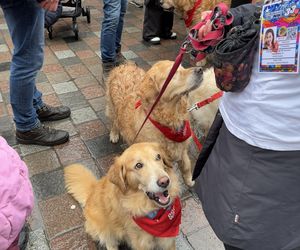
(114, 138)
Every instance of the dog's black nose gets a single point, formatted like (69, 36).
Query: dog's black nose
(163, 182)
(199, 70)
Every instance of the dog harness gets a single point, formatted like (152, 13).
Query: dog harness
(163, 222)
(179, 135)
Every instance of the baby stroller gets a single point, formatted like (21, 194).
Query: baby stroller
(67, 9)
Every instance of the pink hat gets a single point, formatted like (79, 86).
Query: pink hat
(16, 197)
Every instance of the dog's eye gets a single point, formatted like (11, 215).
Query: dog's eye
(138, 165)
(158, 157)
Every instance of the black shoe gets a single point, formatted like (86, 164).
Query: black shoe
(48, 113)
(120, 59)
(42, 136)
(106, 68)
(172, 36)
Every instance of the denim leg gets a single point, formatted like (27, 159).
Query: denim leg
(112, 10)
(121, 24)
(25, 21)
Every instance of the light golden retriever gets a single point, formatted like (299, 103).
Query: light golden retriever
(128, 83)
(183, 6)
(202, 118)
(140, 181)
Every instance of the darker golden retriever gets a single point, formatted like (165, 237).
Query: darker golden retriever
(128, 84)
(141, 181)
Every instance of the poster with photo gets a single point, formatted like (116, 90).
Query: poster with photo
(279, 38)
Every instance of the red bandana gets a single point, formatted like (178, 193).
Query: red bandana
(190, 14)
(165, 223)
(180, 135)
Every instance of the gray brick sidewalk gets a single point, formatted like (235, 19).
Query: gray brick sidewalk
(71, 75)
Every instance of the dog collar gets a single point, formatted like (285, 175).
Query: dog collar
(165, 222)
(190, 14)
(179, 135)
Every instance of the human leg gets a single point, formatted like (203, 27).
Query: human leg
(110, 26)
(152, 22)
(25, 20)
(167, 25)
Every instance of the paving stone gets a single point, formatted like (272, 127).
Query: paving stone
(4, 66)
(83, 115)
(131, 29)
(85, 81)
(64, 87)
(58, 209)
(75, 239)
(1, 98)
(82, 54)
(70, 61)
(205, 239)
(64, 54)
(52, 68)
(101, 146)
(41, 77)
(44, 161)
(78, 46)
(92, 129)
(46, 185)
(193, 218)
(98, 103)
(129, 54)
(105, 162)
(45, 88)
(91, 165)
(72, 151)
(51, 100)
(37, 240)
(9, 136)
(3, 26)
(74, 100)
(30, 149)
(77, 70)
(6, 124)
(3, 48)
(93, 92)
(58, 77)
(35, 219)
(182, 243)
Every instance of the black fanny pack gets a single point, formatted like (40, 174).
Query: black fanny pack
(233, 56)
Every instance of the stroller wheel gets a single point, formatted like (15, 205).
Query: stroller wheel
(88, 14)
(50, 30)
(75, 30)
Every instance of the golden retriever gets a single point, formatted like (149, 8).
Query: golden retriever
(128, 83)
(140, 181)
(183, 6)
(202, 118)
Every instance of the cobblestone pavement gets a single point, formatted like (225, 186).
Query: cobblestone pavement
(71, 76)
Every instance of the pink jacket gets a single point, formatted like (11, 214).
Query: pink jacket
(16, 197)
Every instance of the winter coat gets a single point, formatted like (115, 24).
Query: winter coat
(16, 196)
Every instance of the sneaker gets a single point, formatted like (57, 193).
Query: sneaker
(155, 40)
(173, 36)
(48, 113)
(136, 3)
(42, 136)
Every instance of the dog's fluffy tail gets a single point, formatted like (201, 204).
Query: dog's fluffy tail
(79, 182)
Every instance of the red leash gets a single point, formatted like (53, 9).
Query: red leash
(190, 14)
(206, 101)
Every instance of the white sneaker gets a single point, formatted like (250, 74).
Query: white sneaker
(173, 35)
(155, 40)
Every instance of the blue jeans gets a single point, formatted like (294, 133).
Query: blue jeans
(25, 20)
(112, 27)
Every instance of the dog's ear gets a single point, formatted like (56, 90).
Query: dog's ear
(148, 90)
(117, 175)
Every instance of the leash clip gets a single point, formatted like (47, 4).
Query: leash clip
(186, 46)
(194, 107)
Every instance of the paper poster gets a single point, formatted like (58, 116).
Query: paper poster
(279, 38)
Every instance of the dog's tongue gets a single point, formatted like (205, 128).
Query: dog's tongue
(162, 198)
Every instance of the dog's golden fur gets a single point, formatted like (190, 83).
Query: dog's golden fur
(128, 83)
(203, 117)
(111, 202)
(183, 6)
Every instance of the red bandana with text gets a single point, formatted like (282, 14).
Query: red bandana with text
(165, 223)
